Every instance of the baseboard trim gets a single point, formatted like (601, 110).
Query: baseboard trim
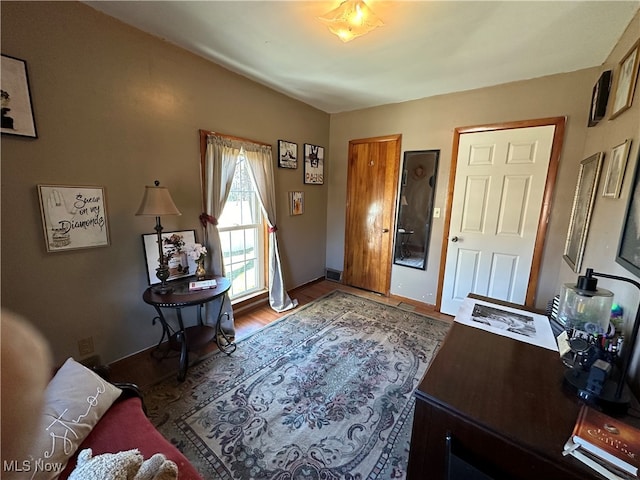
(411, 301)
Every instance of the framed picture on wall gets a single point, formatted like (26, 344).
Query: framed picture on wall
(629, 246)
(287, 154)
(626, 81)
(17, 111)
(583, 201)
(313, 164)
(73, 217)
(599, 98)
(296, 203)
(615, 172)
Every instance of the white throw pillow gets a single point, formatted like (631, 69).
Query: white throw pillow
(75, 400)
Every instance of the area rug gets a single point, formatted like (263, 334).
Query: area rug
(323, 393)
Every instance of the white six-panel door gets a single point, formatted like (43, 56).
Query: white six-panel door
(498, 193)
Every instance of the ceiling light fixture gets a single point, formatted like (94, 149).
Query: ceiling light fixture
(351, 19)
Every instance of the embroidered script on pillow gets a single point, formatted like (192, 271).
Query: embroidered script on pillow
(75, 400)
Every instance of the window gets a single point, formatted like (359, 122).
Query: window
(241, 230)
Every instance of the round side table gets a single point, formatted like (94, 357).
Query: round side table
(196, 336)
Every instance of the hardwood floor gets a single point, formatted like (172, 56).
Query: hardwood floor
(144, 370)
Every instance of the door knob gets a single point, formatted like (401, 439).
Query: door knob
(385, 230)
(454, 239)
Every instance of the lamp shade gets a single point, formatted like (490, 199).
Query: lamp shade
(157, 202)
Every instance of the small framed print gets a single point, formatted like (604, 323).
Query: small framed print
(626, 83)
(599, 98)
(73, 217)
(17, 111)
(583, 202)
(296, 203)
(174, 248)
(313, 164)
(615, 172)
(287, 154)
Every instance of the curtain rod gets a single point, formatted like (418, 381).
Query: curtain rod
(205, 133)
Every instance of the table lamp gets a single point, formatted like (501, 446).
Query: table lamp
(586, 308)
(157, 202)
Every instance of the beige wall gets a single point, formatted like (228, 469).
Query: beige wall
(608, 213)
(118, 108)
(429, 124)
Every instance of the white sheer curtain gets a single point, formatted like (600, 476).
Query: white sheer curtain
(260, 161)
(219, 166)
(221, 157)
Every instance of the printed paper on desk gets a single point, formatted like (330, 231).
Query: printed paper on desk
(520, 325)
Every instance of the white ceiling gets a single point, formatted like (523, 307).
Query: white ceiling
(426, 48)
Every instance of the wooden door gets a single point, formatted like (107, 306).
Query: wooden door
(372, 182)
(500, 185)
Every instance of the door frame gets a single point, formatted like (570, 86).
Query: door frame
(392, 190)
(545, 210)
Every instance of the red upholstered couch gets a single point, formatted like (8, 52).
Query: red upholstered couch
(125, 426)
(81, 410)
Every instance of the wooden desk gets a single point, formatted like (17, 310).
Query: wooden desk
(503, 404)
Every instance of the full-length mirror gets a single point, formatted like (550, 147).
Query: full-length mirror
(415, 208)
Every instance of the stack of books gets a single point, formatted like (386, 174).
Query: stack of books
(607, 445)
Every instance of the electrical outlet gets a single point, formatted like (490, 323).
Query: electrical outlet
(85, 346)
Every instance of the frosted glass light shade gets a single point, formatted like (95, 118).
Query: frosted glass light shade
(351, 19)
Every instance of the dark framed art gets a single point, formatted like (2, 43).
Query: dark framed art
(626, 82)
(174, 247)
(287, 154)
(583, 201)
(313, 164)
(628, 254)
(15, 96)
(599, 98)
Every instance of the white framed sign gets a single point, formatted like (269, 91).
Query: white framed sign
(73, 217)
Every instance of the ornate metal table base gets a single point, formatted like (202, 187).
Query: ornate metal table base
(182, 338)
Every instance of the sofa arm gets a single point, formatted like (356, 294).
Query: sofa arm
(125, 427)
(130, 390)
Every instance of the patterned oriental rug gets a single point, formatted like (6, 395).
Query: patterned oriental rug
(323, 393)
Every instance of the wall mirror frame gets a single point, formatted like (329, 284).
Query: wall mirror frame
(415, 208)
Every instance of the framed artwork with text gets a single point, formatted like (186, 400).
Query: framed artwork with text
(313, 164)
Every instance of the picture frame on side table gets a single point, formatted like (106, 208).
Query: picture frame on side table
(73, 217)
(181, 265)
(615, 171)
(600, 98)
(583, 201)
(628, 254)
(626, 81)
(15, 96)
(313, 164)
(287, 154)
